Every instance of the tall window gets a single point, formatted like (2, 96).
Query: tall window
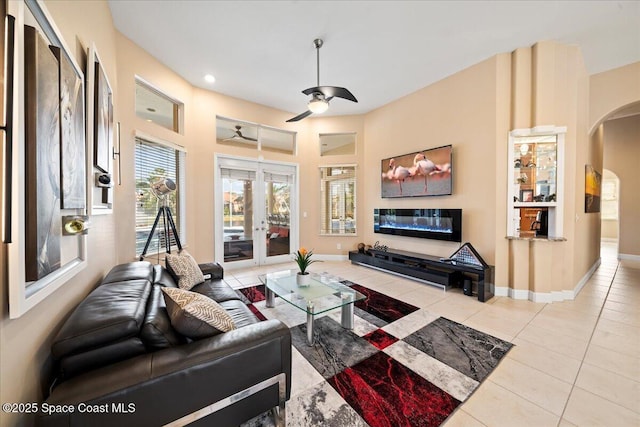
(609, 199)
(338, 200)
(154, 161)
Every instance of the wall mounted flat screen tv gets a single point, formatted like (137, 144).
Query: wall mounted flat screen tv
(422, 173)
(437, 224)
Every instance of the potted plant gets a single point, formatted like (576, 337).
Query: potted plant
(303, 258)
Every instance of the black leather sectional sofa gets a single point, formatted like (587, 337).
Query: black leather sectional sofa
(120, 363)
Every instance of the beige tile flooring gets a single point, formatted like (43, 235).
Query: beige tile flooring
(575, 363)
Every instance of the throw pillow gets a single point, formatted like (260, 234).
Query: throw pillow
(185, 269)
(195, 315)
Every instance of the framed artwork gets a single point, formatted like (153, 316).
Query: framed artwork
(422, 173)
(103, 119)
(100, 136)
(42, 155)
(592, 189)
(40, 257)
(526, 195)
(73, 177)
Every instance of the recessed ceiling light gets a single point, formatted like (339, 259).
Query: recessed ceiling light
(209, 78)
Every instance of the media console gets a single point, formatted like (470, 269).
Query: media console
(428, 268)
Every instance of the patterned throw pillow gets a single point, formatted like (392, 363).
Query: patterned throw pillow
(195, 315)
(186, 269)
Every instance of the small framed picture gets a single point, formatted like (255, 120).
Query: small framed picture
(526, 195)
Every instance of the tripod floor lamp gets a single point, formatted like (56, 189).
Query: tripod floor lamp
(161, 188)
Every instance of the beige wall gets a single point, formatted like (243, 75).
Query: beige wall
(622, 157)
(429, 118)
(612, 90)
(473, 110)
(549, 86)
(25, 342)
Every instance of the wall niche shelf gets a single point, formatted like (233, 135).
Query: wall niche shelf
(536, 183)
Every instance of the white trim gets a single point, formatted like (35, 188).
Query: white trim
(585, 278)
(100, 208)
(254, 164)
(629, 257)
(608, 239)
(548, 297)
(501, 291)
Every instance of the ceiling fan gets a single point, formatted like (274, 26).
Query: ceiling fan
(321, 95)
(238, 134)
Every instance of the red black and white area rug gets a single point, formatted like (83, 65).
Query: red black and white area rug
(399, 366)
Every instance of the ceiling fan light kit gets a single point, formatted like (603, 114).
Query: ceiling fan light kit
(321, 95)
(318, 105)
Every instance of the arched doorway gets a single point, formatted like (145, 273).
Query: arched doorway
(619, 136)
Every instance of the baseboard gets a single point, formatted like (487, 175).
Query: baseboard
(586, 277)
(553, 296)
(608, 240)
(327, 257)
(629, 257)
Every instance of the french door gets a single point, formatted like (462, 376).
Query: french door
(255, 211)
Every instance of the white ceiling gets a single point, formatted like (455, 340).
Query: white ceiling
(262, 51)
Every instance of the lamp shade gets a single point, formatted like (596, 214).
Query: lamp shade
(318, 105)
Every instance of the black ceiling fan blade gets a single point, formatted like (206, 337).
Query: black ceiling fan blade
(331, 91)
(245, 137)
(300, 116)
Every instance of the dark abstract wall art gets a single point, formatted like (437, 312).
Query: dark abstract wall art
(72, 135)
(592, 189)
(103, 118)
(42, 158)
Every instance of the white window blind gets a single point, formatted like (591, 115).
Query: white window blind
(152, 162)
(338, 200)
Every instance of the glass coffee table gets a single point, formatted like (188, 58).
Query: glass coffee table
(319, 296)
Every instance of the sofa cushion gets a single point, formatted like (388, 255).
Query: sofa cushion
(239, 312)
(74, 364)
(162, 277)
(217, 290)
(108, 314)
(186, 269)
(157, 332)
(142, 270)
(194, 315)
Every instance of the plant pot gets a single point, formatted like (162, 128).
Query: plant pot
(303, 279)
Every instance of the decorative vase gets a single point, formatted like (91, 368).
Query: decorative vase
(303, 279)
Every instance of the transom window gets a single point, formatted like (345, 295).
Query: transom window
(254, 136)
(154, 106)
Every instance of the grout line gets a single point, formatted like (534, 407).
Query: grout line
(573, 386)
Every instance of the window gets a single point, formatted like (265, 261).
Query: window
(338, 200)
(156, 107)
(155, 161)
(254, 136)
(610, 199)
(335, 144)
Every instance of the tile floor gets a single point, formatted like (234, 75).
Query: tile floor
(575, 363)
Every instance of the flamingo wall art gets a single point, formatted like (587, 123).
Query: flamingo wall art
(422, 173)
